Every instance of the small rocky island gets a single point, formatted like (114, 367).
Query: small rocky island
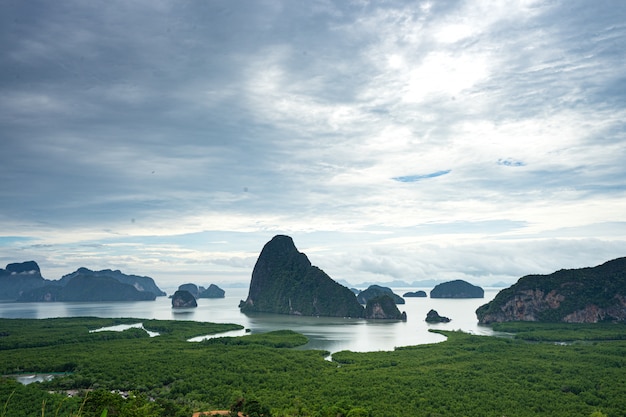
(183, 299)
(415, 294)
(383, 307)
(585, 295)
(374, 291)
(284, 281)
(457, 289)
(213, 291)
(433, 317)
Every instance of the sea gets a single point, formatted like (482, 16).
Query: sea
(331, 334)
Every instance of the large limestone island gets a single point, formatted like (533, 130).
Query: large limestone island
(586, 295)
(284, 281)
(457, 289)
(23, 282)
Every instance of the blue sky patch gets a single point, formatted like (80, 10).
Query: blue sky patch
(11, 240)
(510, 162)
(415, 178)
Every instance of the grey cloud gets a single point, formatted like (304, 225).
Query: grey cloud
(104, 120)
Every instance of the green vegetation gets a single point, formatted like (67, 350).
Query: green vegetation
(277, 339)
(563, 332)
(466, 375)
(603, 286)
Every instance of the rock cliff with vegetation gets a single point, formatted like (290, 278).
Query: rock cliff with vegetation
(586, 295)
(374, 291)
(383, 307)
(23, 282)
(212, 292)
(433, 317)
(183, 299)
(284, 281)
(457, 289)
(18, 278)
(192, 288)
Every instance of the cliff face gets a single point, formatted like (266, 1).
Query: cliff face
(212, 292)
(192, 288)
(383, 307)
(586, 295)
(19, 278)
(183, 299)
(284, 281)
(433, 317)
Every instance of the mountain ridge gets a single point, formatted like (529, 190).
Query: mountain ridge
(583, 295)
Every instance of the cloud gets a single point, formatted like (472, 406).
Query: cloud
(219, 121)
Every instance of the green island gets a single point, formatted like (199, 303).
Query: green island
(536, 369)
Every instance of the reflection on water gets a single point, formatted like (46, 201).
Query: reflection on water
(122, 327)
(324, 333)
(30, 378)
(232, 333)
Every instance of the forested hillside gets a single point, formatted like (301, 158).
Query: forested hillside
(465, 376)
(584, 295)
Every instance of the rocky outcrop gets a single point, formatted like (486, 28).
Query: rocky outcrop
(212, 292)
(374, 291)
(192, 288)
(28, 267)
(383, 307)
(411, 294)
(433, 317)
(183, 299)
(19, 278)
(586, 295)
(284, 281)
(457, 289)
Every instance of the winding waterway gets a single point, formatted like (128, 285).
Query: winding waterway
(326, 333)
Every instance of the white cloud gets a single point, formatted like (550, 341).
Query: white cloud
(274, 118)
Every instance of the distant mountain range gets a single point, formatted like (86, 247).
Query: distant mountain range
(23, 282)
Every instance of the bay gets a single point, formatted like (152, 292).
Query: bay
(325, 333)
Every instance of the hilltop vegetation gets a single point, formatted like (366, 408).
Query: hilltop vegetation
(585, 295)
(466, 375)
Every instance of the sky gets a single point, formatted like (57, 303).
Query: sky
(392, 140)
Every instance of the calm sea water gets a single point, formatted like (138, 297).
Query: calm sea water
(331, 334)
